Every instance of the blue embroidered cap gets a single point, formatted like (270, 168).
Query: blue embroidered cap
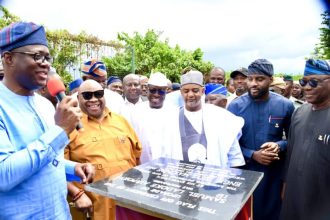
(212, 88)
(316, 67)
(21, 34)
(261, 66)
(75, 84)
(113, 79)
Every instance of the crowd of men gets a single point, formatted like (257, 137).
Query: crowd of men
(251, 121)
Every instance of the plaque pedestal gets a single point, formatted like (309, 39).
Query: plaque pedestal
(136, 213)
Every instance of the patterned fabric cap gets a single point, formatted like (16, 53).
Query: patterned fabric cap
(21, 34)
(192, 77)
(317, 67)
(113, 79)
(212, 88)
(94, 68)
(261, 66)
(75, 84)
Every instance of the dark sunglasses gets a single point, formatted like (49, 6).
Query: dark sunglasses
(312, 82)
(159, 91)
(89, 95)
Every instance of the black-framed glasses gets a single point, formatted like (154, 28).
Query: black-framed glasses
(37, 57)
(312, 82)
(159, 91)
(89, 95)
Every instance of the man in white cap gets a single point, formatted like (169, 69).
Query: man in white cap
(197, 140)
(153, 119)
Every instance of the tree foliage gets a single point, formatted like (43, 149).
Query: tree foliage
(67, 49)
(7, 18)
(322, 49)
(152, 55)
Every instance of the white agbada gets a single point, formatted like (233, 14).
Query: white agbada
(128, 109)
(222, 130)
(151, 125)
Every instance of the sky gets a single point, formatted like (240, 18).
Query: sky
(231, 33)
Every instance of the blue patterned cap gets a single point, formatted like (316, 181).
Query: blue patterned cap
(75, 84)
(261, 66)
(113, 79)
(316, 67)
(94, 67)
(21, 34)
(212, 88)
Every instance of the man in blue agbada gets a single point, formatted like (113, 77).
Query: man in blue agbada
(308, 161)
(33, 135)
(267, 115)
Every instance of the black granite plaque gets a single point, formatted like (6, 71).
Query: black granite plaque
(181, 190)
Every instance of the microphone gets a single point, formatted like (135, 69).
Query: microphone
(56, 89)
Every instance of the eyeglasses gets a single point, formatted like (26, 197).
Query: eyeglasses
(312, 82)
(159, 91)
(38, 58)
(89, 95)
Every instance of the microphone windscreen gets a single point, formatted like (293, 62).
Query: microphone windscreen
(55, 86)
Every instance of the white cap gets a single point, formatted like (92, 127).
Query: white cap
(157, 79)
(192, 77)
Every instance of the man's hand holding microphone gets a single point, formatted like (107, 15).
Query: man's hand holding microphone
(67, 116)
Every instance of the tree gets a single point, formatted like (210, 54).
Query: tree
(322, 49)
(152, 55)
(69, 49)
(66, 48)
(149, 52)
(7, 17)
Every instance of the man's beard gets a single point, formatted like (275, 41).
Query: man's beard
(260, 94)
